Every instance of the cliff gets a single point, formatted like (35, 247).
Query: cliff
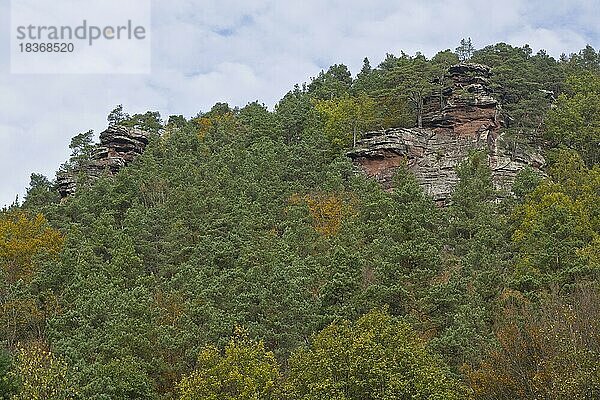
(462, 118)
(118, 147)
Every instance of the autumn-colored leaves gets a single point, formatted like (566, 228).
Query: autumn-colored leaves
(327, 210)
(25, 243)
(22, 239)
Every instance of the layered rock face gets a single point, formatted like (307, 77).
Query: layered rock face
(463, 117)
(118, 147)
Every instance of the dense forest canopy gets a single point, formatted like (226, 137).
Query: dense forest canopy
(242, 257)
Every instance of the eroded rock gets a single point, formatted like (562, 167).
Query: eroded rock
(118, 147)
(464, 117)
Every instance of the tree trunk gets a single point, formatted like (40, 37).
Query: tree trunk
(420, 112)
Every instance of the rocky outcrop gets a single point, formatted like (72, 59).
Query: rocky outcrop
(462, 118)
(66, 182)
(118, 147)
(467, 106)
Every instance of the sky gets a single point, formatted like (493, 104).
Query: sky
(208, 51)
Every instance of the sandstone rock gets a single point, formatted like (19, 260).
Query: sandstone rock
(118, 147)
(463, 117)
(67, 183)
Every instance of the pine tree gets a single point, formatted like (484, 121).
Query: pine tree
(465, 50)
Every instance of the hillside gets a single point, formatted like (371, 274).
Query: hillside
(428, 229)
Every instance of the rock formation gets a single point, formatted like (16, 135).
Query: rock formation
(118, 147)
(461, 118)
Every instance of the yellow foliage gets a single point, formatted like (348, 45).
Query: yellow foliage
(328, 211)
(245, 371)
(23, 238)
(206, 124)
(43, 376)
(347, 117)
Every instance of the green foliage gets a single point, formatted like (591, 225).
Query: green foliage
(176, 121)
(396, 270)
(221, 122)
(465, 50)
(477, 227)
(391, 105)
(149, 121)
(117, 116)
(168, 256)
(474, 274)
(293, 112)
(526, 181)
(9, 383)
(377, 357)
(259, 121)
(81, 151)
(255, 218)
(575, 120)
(587, 59)
(558, 225)
(445, 59)
(40, 193)
(411, 79)
(331, 84)
(120, 378)
(346, 118)
(524, 83)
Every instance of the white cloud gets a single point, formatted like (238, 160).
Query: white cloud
(240, 51)
(553, 41)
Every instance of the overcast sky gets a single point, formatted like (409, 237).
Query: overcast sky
(205, 51)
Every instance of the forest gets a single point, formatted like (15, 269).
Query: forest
(243, 256)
